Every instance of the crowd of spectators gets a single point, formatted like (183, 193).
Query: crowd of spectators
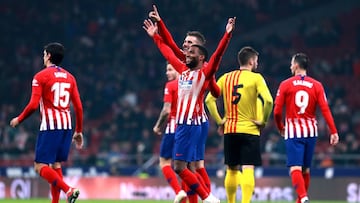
(121, 74)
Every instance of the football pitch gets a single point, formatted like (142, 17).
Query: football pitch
(130, 201)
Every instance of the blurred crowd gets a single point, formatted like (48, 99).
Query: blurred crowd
(121, 74)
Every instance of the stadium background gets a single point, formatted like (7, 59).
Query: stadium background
(121, 76)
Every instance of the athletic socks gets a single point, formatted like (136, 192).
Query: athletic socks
(190, 179)
(171, 178)
(231, 185)
(55, 191)
(53, 178)
(298, 183)
(247, 185)
(201, 181)
(203, 173)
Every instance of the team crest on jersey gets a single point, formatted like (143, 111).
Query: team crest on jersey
(166, 91)
(185, 84)
(35, 83)
(186, 80)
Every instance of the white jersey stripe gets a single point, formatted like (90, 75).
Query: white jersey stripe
(64, 120)
(171, 126)
(51, 119)
(315, 127)
(197, 83)
(297, 128)
(304, 127)
(58, 120)
(311, 128)
(300, 128)
(69, 119)
(43, 117)
(291, 129)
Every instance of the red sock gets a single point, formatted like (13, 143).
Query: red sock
(193, 198)
(190, 179)
(201, 181)
(55, 191)
(191, 195)
(205, 177)
(298, 183)
(306, 177)
(171, 178)
(53, 178)
(187, 190)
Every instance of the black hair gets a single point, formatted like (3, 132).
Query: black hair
(301, 59)
(56, 51)
(245, 54)
(202, 49)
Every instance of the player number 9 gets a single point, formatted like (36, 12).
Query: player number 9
(302, 100)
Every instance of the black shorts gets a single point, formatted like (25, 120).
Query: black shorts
(242, 149)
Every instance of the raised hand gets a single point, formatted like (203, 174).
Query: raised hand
(230, 25)
(150, 27)
(154, 14)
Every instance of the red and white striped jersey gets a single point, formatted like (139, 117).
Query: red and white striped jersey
(300, 95)
(190, 97)
(171, 96)
(53, 88)
(192, 84)
(168, 40)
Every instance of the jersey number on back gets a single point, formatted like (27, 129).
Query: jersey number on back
(61, 94)
(236, 94)
(302, 100)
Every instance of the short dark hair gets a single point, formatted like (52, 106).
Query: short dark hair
(202, 49)
(245, 54)
(302, 59)
(198, 36)
(56, 51)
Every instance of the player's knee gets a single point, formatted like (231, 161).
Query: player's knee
(178, 168)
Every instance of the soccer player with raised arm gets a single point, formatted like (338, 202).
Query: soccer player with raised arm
(53, 88)
(167, 117)
(192, 37)
(300, 95)
(190, 100)
(241, 90)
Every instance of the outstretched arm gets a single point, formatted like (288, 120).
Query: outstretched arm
(214, 88)
(165, 34)
(215, 59)
(151, 28)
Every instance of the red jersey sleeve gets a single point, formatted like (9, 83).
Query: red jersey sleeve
(214, 88)
(36, 91)
(278, 109)
(215, 59)
(76, 101)
(169, 54)
(168, 40)
(325, 110)
(167, 93)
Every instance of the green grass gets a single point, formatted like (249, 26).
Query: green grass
(126, 201)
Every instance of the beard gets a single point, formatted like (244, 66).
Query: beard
(192, 64)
